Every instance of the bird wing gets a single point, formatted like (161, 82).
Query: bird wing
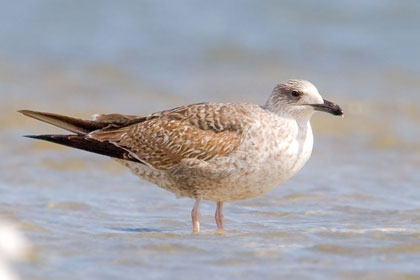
(82, 127)
(201, 131)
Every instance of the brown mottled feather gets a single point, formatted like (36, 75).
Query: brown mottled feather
(118, 120)
(202, 131)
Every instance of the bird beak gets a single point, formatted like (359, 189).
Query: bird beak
(328, 107)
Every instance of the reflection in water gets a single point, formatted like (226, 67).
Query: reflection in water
(136, 229)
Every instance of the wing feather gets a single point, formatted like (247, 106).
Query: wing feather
(202, 131)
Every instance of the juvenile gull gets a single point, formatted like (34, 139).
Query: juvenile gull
(217, 152)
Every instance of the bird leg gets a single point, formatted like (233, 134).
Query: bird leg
(195, 215)
(219, 216)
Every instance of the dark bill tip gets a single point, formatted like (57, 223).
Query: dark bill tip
(329, 107)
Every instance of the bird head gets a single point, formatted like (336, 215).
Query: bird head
(299, 99)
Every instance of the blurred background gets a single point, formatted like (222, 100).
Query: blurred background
(352, 212)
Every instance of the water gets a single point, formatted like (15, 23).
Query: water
(352, 213)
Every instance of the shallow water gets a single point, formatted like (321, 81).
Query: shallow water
(353, 212)
(90, 219)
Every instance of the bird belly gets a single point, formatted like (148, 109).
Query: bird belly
(155, 176)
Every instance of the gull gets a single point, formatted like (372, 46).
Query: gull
(206, 151)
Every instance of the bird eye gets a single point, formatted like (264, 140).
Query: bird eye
(295, 93)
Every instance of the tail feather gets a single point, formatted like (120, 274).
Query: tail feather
(87, 144)
(74, 125)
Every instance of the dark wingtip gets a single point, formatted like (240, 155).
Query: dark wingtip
(41, 137)
(88, 144)
(24, 112)
(31, 136)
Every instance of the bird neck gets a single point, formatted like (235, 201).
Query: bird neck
(301, 116)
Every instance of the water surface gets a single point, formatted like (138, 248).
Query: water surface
(352, 213)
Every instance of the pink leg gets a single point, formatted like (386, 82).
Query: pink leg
(219, 216)
(195, 215)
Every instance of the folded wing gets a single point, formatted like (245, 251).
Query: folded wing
(201, 131)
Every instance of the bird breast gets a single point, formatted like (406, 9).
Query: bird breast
(270, 154)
